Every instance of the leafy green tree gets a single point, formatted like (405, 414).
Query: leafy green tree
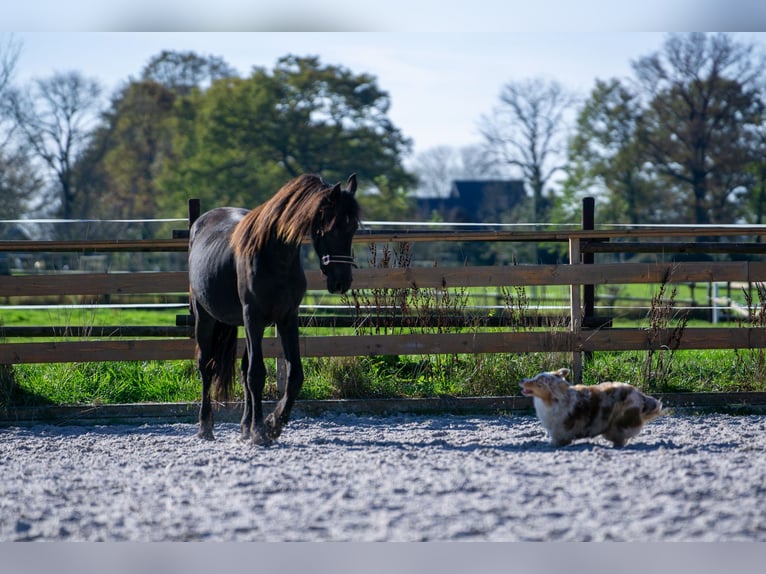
(606, 156)
(241, 139)
(388, 203)
(18, 184)
(126, 152)
(119, 171)
(755, 211)
(184, 72)
(703, 104)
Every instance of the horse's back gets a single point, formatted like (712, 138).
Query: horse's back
(212, 270)
(215, 224)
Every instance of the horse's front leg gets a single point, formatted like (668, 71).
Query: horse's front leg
(247, 413)
(254, 380)
(289, 336)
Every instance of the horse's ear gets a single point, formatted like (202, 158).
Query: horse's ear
(351, 184)
(335, 192)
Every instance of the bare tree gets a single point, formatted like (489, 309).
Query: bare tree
(9, 55)
(527, 130)
(54, 118)
(437, 167)
(18, 180)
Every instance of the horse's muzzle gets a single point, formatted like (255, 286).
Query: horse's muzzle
(338, 284)
(337, 269)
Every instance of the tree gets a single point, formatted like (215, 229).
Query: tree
(18, 184)
(126, 152)
(436, 168)
(755, 211)
(388, 203)
(119, 171)
(527, 131)
(18, 181)
(183, 72)
(54, 119)
(606, 154)
(239, 140)
(9, 55)
(702, 109)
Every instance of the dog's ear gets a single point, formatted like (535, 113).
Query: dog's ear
(563, 373)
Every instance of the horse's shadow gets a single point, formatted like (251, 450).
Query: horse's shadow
(434, 439)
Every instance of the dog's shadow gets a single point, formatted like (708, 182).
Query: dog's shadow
(637, 446)
(541, 445)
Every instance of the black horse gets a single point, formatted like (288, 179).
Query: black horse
(245, 269)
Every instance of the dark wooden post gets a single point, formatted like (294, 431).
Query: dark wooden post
(588, 223)
(588, 258)
(194, 209)
(194, 213)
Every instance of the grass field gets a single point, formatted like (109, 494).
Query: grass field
(374, 377)
(380, 376)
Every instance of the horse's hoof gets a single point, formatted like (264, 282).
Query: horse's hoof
(205, 435)
(260, 439)
(273, 427)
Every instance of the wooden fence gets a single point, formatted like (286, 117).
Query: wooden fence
(580, 334)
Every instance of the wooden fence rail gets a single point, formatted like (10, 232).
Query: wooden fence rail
(573, 337)
(403, 278)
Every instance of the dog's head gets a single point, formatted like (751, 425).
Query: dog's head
(546, 386)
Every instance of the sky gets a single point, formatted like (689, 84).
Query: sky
(440, 84)
(442, 63)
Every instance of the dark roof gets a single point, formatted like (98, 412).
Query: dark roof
(474, 200)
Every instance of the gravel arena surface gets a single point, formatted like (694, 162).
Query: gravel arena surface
(342, 477)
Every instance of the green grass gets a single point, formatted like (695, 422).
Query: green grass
(369, 377)
(89, 317)
(375, 377)
(101, 383)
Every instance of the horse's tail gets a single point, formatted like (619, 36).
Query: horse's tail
(223, 360)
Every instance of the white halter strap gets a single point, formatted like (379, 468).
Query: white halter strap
(345, 259)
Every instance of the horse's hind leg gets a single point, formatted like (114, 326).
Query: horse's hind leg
(204, 327)
(288, 333)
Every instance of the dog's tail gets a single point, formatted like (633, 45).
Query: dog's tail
(651, 409)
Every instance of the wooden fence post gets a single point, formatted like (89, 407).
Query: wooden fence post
(588, 258)
(194, 211)
(193, 207)
(575, 309)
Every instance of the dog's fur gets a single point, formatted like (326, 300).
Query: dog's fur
(568, 412)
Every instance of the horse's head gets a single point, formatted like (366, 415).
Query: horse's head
(333, 229)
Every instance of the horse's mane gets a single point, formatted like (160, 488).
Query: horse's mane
(287, 216)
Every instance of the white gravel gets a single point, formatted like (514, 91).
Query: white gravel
(403, 478)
